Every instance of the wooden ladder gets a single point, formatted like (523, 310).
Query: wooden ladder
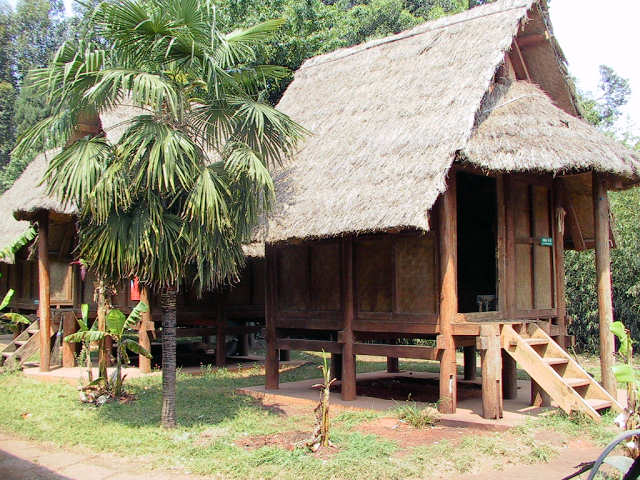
(21, 348)
(557, 373)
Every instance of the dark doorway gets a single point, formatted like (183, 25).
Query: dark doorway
(477, 240)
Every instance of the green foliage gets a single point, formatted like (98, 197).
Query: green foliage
(27, 237)
(582, 298)
(12, 320)
(418, 416)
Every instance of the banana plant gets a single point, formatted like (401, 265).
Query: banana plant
(120, 329)
(13, 320)
(86, 336)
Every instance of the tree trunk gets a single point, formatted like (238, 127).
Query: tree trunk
(168, 307)
(102, 326)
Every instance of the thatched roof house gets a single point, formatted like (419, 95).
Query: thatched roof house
(390, 117)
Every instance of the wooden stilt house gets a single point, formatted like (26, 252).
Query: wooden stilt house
(51, 285)
(447, 171)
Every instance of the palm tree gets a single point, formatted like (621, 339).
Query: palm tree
(176, 196)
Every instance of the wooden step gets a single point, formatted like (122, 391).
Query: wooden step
(8, 354)
(598, 404)
(555, 361)
(577, 382)
(32, 330)
(20, 342)
(536, 341)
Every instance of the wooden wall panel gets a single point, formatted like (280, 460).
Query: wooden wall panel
(373, 271)
(524, 289)
(88, 287)
(61, 274)
(240, 292)
(26, 288)
(325, 276)
(257, 267)
(293, 285)
(415, 274)
(543, 256)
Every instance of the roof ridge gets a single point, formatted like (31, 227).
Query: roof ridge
(430, 26)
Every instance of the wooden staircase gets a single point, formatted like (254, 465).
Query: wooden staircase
(557, 373)
(21, 348)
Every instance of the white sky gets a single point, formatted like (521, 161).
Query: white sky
(592, 33)
(596, 32)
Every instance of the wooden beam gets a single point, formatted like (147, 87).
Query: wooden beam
(146, 324)
(519, 65)
(398, 351)
(44, 290)
(510, 250)
(603, 279)
(309, 345)
(348, 308)
(448, 296)
(272, 360)
(393, 365)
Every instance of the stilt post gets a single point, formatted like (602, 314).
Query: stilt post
(489, 345)
(603, 281)
(470, 362)
(44, 290)
(448, 297)
(221, 347)
(509, 377)
(69, 326)
(272, 360)
(348, 358)
(146, 325)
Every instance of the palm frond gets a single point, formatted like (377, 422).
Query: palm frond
(16, 318)
(136, 348)
(24, 239)
(135, 315)
(7, 298)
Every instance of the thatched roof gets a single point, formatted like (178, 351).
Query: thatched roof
(389, 117)
(31, 195)
(520, 129)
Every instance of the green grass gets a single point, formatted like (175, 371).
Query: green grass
(212, 418)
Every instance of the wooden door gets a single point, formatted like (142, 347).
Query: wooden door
(531, 208)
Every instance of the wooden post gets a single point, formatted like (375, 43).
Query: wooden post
(470, 364)
(348, 308)
(272, 363)
(539, 398)
(489, 345)
(69, 326)
(448, 296)
(336, 366)
(146, 324)
(243, 347)
(221, 347)
(393, 366)
(558, 230)
(603, 281)
(285, 355)
(44, 290)
(509, 377)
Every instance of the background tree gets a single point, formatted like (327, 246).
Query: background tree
(176, 196)
(28, 38)
(603, 110)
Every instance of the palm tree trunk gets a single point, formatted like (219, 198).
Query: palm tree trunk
(102, 326)
(168, 307)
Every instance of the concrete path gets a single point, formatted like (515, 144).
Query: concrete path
(25, 460)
